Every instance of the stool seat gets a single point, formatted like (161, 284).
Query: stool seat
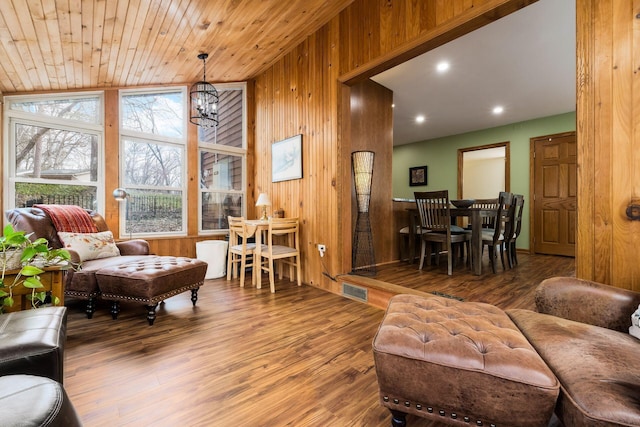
(28, 400)
(460, 362)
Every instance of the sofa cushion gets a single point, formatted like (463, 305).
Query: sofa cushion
(90, 245)
(598, 369)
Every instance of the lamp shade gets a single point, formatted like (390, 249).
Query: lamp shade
(120, 194)
(263, 200)
(362, 162)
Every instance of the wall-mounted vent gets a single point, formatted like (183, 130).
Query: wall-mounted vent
(354, 292)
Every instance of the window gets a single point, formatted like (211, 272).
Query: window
(152, 161)
(55, 150)
(223, 162)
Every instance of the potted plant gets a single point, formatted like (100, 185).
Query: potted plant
(32, 257)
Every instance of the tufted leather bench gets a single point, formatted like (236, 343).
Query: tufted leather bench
(150, 281)
(460, 363)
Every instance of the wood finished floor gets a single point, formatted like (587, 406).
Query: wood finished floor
(246, 357)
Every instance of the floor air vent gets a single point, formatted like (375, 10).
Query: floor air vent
(354, 292)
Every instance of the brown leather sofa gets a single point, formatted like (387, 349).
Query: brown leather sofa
(79, 283)
(581, 331)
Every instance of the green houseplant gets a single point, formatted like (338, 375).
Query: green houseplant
(18, 252)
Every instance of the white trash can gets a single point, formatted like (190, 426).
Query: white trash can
(214, 253)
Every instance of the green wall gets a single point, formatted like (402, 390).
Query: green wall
(441, 157)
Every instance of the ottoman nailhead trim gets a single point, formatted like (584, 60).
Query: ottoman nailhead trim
(430, 410)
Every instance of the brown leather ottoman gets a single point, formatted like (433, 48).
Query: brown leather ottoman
(459, 363)
(150, 281)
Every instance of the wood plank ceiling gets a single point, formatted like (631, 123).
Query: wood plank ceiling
(75, 44)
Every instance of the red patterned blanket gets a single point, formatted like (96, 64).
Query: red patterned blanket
(69, 218)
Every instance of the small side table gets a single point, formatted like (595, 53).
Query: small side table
(51, 279)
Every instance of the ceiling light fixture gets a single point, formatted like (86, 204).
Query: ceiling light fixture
(204, 100)
(420, 119)
(442, 66)
(498, 109)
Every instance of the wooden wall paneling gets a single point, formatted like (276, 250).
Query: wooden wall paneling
(585, 130)
(607, 141)
(603, 144)
(192, 175)
(635, 132)
(112, 163)
(371, 124)
(621, 166)
(356, 41)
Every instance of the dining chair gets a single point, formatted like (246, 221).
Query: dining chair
(516, 226)
(435, 220)
(409, 239)
(283, 247)
(240, 250)
(494, 238)
(487, 221)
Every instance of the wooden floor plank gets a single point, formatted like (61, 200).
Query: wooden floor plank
(242, 356)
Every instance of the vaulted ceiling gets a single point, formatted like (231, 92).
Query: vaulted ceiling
(76, 44)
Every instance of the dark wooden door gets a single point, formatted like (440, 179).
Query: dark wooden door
(554, 194)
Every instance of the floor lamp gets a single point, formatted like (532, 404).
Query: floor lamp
(121, 195)
(362, 256)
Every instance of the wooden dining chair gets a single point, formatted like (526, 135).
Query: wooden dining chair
(516, 226)
(435, 221)
(240, 250)
(487, 221)
(494, 238)
(285, 252)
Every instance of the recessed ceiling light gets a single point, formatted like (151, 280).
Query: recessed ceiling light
(442, 66)
(393, 105)
(420, 119)
(498, 109)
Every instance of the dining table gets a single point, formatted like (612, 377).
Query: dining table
(475, 216)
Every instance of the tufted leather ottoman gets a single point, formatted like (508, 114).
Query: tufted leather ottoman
(460, 363)
(150, 281)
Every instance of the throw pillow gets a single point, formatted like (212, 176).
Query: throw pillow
(90, 245)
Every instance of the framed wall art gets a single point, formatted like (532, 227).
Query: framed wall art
(418, 176)
(286, 159)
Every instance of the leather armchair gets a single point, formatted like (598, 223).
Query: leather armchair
(80, 282)
(581, 331)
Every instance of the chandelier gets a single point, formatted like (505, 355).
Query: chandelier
(204, 100)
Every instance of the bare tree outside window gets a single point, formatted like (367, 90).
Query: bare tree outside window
(153, 160)
(56, 162)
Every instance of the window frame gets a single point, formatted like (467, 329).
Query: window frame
(137, 136)
(226, 150)
(14, 117)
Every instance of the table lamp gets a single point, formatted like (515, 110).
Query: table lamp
(263, 200)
